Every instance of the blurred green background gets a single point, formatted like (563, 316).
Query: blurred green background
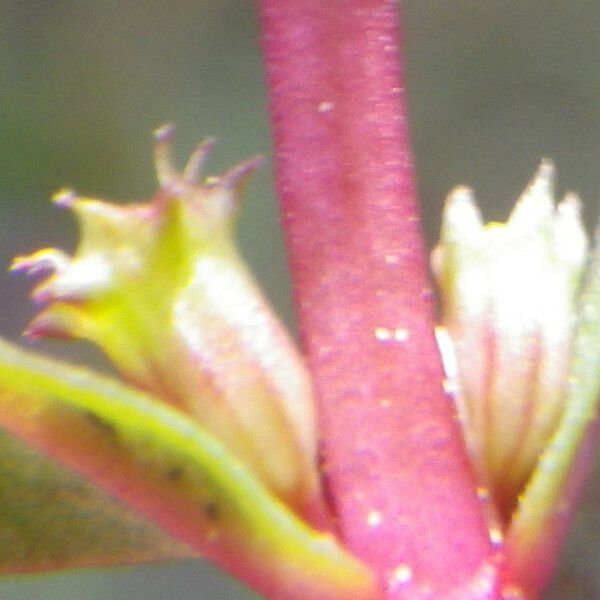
(493, 88)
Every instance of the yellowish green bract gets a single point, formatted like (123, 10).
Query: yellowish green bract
(162, 464)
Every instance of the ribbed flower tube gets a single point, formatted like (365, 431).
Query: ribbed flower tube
(160, 288)
(509, 298)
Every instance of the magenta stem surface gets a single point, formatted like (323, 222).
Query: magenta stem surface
(393, 457)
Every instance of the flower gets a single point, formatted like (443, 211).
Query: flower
(160, 287)
(509, 303)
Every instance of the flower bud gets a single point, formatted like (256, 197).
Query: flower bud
(509, 295)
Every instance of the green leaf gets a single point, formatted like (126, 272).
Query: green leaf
(164, 466)
(50, 518)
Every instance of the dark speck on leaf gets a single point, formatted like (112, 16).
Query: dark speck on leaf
(175, 474)
(211, 510)
(100, 423)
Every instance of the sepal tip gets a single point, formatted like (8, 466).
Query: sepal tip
(65, 197)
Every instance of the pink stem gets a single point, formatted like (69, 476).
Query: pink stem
(400, 485)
